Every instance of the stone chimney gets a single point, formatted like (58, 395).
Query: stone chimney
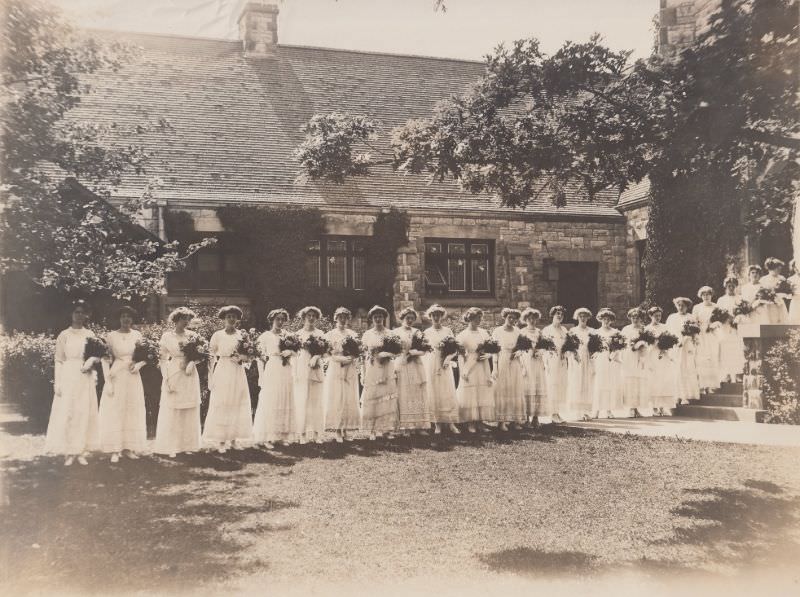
(258, 29)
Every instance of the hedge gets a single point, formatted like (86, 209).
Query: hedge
(781, 389)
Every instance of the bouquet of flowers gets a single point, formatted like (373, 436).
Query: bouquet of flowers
(690, 328)
(145, 351)
(95, 348)
(352, 347)
(489, 346)
(247, 346)
(765, 296)
(595, 344)
(721, 316)
(449, 346)
(195, 349)
(616, 342)
(289, 342)
(420, 342)
(571, 345)
(743, 308)
(391, 344)
(784, 287)
(544, 343)
(524, 344)
(645, 338)
(665, 342)
(317, 346)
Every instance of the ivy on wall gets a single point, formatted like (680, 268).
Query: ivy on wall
(694, 229)
(179, 225)
(390, 233)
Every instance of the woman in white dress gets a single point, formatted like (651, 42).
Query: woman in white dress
(687, 385)
(662, 368)
(178, 423)
(412, 391)
(308, 382)
(340, 390)
(777, 313)
(536, 401)
(794, 306)
(607, 394)
(748, 294)
(275, 413)
(580, 369)
(475, 393)
(230, 414)
(635, 367)
(555, 365)
(123, 417)
(509, 374)
(441, 384)
(73, 429)
(731, 345)
(379, 410)
(707, 344)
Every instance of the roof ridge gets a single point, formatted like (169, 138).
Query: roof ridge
(295, 46)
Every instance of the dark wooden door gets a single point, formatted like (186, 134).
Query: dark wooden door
(577, 286)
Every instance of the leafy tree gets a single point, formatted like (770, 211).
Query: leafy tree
(59, 171)
(720, 122)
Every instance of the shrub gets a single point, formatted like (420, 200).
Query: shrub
(781, 385)
(27, 373)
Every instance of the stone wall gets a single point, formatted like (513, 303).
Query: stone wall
(519, 258)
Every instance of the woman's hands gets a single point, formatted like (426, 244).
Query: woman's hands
(484, 357)
(88, 364)
(385, 355)
(415, 353)
(136, 367)
(287, 353)
(314, 361)
(190, 368)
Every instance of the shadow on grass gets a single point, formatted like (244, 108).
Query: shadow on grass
(146, 525)
(539, 563)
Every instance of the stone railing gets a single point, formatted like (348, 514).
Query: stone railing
(758, 339)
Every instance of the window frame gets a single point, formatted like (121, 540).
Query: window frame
(470, 260)
(350, 254)
(192, 274)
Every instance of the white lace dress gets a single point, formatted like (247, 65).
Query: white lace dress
(412, 386)
(580, 377)
(556, 367)
(475, 394)
(536, 401)
(379, 411)
(731, 345)
(123, 416)
(230, 414)
(636, 382)
(74, 423)
(308, 385)
(441, 385)
(662, 367)
(509, 388)
(341, 386)
(687, 386)
(275, 413)
(178, 424)
(607, 395)
(707, 347)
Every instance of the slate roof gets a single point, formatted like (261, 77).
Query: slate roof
(235, 122)
(635, 195)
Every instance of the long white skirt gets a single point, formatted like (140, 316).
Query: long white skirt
(635, 379)
(731, 352)
(509, 389)
(707, 360)
(476, 396)
(230, 415)
(686, 381)
(556, 381)
(123, 417)
(341, 397)
(441, 389)
(74, 423)
(178, 424)
(607, 395)
(579, 384)
(379, 409)
(275, 414)
(536, 400)
(662, 379)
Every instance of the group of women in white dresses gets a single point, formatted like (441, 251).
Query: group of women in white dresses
(412, 389)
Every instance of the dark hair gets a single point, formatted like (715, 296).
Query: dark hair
(224, 311)
(80, 303)
(129, 310)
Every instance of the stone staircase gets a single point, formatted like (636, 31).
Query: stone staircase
(726, 404)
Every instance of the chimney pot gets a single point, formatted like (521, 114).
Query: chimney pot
(258, 29)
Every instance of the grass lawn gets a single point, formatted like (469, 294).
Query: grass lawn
(458, 515)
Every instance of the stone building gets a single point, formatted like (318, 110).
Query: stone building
(235, 111)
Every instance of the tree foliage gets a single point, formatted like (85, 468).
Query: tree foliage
(535, 124)
(59, 171)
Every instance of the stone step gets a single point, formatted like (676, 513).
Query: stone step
(719, 413)
(719, 399)
(731, 388)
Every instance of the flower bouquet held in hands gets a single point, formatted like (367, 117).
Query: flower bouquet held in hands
(616, 342)
(643, 340)
(595, 344)
(247, 347)
(145, 351)
(544, 343)
(571, 345)
(352, 347)
(449, 346)
(691, 328)
(765, 296)
(94, 348)
(488, 346)
(390, 344)
(419, 342)
(317, 346)
(742, 309)
(784, 287)
(524, 344)
(666, 342)
(720, 316)
(290, 342)
(194, 349)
